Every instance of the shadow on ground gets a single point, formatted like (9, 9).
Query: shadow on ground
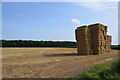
(64, 54)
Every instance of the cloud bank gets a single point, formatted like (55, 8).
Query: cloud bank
(98, 4)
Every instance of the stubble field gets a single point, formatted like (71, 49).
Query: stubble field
(49, 62)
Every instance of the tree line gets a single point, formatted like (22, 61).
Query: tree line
(30, 43)
(115, 47)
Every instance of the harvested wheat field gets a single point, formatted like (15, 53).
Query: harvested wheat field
(49, 62)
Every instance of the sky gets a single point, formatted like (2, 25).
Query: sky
(56, 21)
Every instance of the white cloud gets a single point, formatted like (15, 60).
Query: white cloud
(59, 0)
(18, 15)
(93, 5)
(98, 0)
(98, 4)
(76, 21)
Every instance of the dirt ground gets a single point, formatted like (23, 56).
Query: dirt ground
(49, 62)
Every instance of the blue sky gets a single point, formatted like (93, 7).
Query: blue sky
(56, 21)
